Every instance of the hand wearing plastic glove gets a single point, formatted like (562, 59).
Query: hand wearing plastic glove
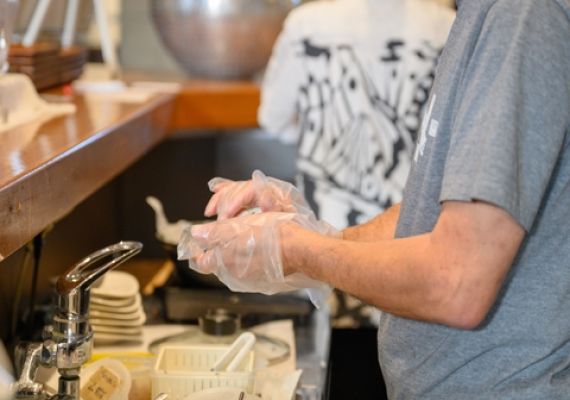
(268, 194)
(245, 253)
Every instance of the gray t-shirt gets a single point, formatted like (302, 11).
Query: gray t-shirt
(497, 129)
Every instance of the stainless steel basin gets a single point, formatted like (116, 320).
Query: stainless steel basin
(223, 39)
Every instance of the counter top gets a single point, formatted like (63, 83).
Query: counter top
(46, 170)
(215, 105)
(207, 104)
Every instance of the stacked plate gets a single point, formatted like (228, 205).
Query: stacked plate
(46, 64)
(116, 312)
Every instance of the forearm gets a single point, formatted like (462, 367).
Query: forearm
(394, 275)
(450, 275)
(382, 227)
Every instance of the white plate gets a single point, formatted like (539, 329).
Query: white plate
(117, 330)
(220, 394)
(116, 285)
(123, 306)
(110, 338)
(138, 321)
(135, 315)
(107, 302)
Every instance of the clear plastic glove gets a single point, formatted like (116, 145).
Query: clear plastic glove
(245, 253)
(231, 198)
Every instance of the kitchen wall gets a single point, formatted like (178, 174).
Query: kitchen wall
(140, 46)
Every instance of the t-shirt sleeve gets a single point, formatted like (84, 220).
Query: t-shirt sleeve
(280, 86)
(512, 121)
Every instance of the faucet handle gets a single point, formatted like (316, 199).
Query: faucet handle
(85, 273)
(73, 286)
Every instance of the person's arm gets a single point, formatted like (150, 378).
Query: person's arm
(509, 128)
(449, 276)
(381, 227)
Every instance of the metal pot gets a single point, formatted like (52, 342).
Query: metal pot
(223, 39)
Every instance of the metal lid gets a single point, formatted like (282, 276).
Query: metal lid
(219, 322)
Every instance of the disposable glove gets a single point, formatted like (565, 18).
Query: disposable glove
(245, 253)
(231, 198)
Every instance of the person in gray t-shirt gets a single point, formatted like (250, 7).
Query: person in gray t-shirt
(473, 268)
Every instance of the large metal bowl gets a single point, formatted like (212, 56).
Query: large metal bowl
(223, 39)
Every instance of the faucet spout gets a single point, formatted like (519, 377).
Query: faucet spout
(73, 287)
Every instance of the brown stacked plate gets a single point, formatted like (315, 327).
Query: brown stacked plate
(47, 64)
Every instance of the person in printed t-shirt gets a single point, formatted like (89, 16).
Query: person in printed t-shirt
(472, 267)
(348, 82)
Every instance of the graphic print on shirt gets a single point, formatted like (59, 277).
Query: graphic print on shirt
(359, 121)
(429, 128)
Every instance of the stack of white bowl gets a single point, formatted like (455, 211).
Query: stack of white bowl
(116, 313)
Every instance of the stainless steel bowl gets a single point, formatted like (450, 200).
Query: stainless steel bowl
(223, 39)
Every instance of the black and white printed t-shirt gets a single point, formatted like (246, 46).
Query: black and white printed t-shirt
(348, 81)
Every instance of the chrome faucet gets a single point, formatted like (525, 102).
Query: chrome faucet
(68, 341)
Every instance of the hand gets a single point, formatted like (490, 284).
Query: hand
(245, 252)
(269, 194)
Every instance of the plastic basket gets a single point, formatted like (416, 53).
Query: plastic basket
(182, 370)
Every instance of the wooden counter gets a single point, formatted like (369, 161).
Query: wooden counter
(215, 105)
(46, 170)
(208, 104)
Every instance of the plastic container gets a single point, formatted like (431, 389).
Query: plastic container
(140, 366)
(182, 370)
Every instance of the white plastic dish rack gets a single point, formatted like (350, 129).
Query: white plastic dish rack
(184, 369)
